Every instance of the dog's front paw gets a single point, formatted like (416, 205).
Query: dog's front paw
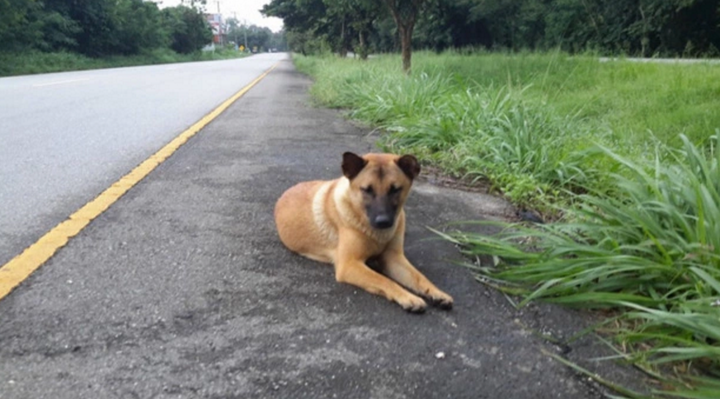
(441, 300)
(412, 303)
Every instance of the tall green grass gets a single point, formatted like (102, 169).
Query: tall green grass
(652, 252)
(525, 149)
(630, 100)
(627, 98)
(527, 122)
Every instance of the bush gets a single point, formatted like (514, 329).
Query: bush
(189, 32)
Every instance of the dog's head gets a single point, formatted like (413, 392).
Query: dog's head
(379, 184)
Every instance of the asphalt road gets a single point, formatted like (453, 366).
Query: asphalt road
(183, 290)
(67, 136)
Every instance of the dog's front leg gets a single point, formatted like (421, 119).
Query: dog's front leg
(351, 269)
(360, 275)
(397, 267)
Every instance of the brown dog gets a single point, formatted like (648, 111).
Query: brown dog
(359, 217)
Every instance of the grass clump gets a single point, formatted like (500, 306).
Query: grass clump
(525, 149)
(652, 253)
(626, 98)
(527, 122)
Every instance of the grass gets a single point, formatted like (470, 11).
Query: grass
(653, 252)
(527, 123)
(629, 98)
(625, 153)
(33, 62)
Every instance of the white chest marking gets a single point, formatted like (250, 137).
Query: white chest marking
(326, 229)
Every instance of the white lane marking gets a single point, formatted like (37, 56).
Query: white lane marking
(60, 82)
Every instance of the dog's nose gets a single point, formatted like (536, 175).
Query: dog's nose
(383, 222)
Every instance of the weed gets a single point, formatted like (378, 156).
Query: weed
(653, 251)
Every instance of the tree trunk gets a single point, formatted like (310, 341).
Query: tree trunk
(342, 52)
(362, 46)
(644, 40)
(406, 48)
(405, 22)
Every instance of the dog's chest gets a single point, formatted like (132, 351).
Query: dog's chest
(325, 228)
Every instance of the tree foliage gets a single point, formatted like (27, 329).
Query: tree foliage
(15, 18)
(635, 27)
(188, 30)
(306, 22)
(254, 37)
(101, 27)
(632, 27)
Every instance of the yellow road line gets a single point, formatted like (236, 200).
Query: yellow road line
(20, 267)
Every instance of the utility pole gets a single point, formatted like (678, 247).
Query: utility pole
(220, 25)
(236, 28)
(245, 32)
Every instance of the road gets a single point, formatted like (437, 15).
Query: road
(182, 289)
(67, 136)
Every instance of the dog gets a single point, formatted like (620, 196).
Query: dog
(359, 218)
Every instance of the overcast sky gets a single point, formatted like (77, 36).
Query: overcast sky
(244, 9)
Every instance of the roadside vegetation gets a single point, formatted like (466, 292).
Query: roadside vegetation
(39, 62)
(61, 35)
(644, 28)
(621, 156)
(529, 123)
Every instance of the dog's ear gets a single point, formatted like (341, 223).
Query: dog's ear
(409, 165)
(352, 164)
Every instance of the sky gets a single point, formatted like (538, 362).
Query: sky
(244, 9)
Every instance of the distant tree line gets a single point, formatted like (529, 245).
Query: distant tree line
(254, 37)
(632, 27)
(100, 27)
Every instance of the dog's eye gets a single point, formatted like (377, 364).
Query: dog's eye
(394, 190)
(368, 190)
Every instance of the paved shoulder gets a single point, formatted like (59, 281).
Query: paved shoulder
(182, 288)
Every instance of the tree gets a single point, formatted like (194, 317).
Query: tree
(57, 31)
(646, 27)
(96, 20)
(315, 24)
(298, 15)
(348, 23)
(405, 13)
(188, 29)
(363, 13)
(305, 21)
(450, 24)
(252, 36)
(278, 41)
(14, 18)
(138, 27)
(337, 23)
